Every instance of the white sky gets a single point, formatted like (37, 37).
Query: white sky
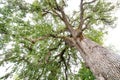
(112, 39)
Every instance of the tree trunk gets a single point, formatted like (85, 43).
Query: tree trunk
(104, 64)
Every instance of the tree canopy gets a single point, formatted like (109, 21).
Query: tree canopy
(40, 34)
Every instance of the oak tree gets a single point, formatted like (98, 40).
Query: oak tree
(46, 41)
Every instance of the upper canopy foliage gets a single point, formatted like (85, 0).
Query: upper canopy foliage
(38, 36)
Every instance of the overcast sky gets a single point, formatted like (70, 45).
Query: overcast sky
(112, 39)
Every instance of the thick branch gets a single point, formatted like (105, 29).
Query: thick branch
(68, 25)
(68, 40)
(59, 11)
(79, 30)
(64, 18)
(81, 14)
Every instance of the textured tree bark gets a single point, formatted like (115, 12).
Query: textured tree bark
(104, 64)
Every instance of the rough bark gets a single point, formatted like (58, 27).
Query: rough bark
(104, 64)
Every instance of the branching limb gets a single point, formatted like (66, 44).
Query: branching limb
(68, 40)
(59, 11)
(49, 53)
(79, 30)
(58, 14)
(54, 9)
(35, 40)
(64, 62)
(42, 38)
(82, 20)
(63, 17)
(62, 59)
(45, 12)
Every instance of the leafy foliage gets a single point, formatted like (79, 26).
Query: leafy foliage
(85, 73)
(36, 52)
(96, 35)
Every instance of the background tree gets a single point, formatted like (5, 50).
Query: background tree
(47, 42)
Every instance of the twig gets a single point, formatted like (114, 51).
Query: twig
(35, 40)
(46, 12)
(47, 57)
(87, 18)
(89, 2)
(86, 26)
